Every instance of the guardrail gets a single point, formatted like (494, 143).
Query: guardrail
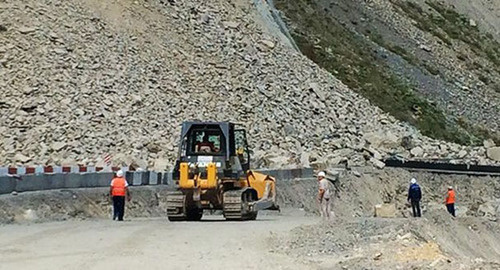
(443, 167)
(70, 179)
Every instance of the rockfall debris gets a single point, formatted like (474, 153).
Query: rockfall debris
(84, 79)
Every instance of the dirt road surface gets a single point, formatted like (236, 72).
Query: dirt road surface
(148, 244)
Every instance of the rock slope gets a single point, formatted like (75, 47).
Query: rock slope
(82, 79)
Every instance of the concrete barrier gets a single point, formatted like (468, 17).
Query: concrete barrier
(34, 182)
(7, 184)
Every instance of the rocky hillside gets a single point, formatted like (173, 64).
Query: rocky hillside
(424, 62)
(81, 79)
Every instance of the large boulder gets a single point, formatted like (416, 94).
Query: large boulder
(493, 153)
(417, 151)
(386, 210)
(381, 139)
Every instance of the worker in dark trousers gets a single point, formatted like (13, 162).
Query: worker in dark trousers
(119, 193)
(414, 196)
(450, 201)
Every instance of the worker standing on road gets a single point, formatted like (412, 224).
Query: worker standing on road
(414, 196)
(450, 201)
(324, 195)
(119, 193)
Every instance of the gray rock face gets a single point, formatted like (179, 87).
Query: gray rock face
(87, 85)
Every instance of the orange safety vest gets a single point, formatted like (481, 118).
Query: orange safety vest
(451, 197)
(118, 186)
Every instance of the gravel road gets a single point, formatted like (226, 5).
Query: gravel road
(148, 244)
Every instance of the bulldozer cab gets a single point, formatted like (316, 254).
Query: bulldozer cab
(221, 143)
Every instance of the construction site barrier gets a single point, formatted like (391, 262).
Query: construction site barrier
(74, 179)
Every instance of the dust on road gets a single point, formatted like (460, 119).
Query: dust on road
(152, 243)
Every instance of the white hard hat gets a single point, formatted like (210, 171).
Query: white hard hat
(119, 173)
(450, 187)
(413, 181)
(321, 174)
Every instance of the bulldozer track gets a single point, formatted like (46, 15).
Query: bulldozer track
(234, 206)
(176, 206)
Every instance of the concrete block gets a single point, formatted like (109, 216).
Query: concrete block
(32, 183)
(104, 179)
(55, 181)
(39, 170)
(21, 170)
(73, 180)
(4, 171)
(57, 169)
(153, 178)
(7, 184)
(89, 180)
(91, 169)
(136, 179)
(129, 176)
(140, 178)
(75, 169)
(386, 210)
(167, 178)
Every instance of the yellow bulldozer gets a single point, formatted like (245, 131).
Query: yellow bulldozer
(213, 172)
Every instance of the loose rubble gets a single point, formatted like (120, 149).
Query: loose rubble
(80, 82)
(373, 227)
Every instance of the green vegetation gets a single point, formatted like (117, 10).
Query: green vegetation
(377, 38)
(350, 57)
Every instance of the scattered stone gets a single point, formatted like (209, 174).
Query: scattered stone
(385, 210)
(377, 163)
(121, 91)
(268, 43)
(425, 48)
(27, 30)
(356, 173)
(377, 256)
(462, 153)
(161, 165)
(58, 146)
(60, 51)
(315, 88)
(472, 23)
(417, 151)
(488, 143)
(22, 158)
(232, 25)
(205, 18)
(53, 36)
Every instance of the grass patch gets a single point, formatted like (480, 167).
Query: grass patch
(377, 38)
(333, 47)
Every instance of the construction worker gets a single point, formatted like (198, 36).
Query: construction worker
(414, 196)
(324, 195)
(450, 201)
(119, 193)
